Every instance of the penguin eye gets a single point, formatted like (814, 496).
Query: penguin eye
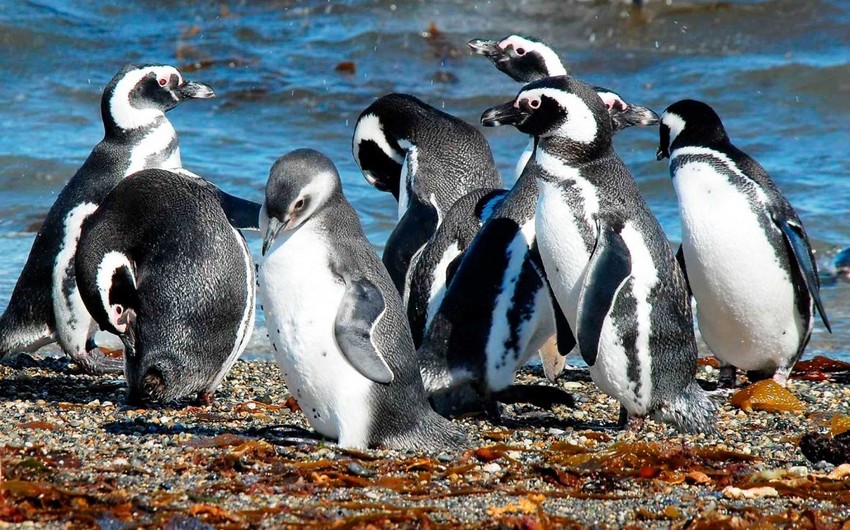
(163, 81)
(534, 103)
(298, 204)
(520, 51)
(119, 310)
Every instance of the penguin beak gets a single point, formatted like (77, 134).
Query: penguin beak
(504, 114)
(275, 227)
(661, 153)
(487, 48)
(637, 115)
(193, 90)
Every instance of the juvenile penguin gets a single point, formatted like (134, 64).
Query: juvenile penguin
(526, 59)
(747, 257)
(335, 320)
(445, 159)
(606, 257)
(45, 304)
(160, 265)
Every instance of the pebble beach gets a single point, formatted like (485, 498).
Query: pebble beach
(75, 456)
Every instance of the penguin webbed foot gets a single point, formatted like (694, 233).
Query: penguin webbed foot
(627, 422)
(205, 398)
(727, 378)
(97, 362)
(545, 397)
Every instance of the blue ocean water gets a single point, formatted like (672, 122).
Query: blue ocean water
(778, 72)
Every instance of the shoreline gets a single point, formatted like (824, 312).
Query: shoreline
(73, 455)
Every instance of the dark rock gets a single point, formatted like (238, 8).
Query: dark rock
(835, 450)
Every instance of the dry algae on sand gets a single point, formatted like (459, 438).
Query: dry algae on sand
(73, 456)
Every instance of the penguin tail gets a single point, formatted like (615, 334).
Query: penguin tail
(692, 411)
(436, 433)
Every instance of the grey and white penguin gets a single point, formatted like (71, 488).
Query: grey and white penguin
(442, 172)
(527, 59)
(160, 265)
(746, 254)
(606, 257)
(335, 320)
(427, 159)
(45, 305)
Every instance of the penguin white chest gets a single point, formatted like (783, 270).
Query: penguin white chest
(562, 247)
(301, 297)
(745, 297)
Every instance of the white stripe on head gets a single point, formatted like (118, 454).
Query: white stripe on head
(111, 262)
(369, 127)
(613, 101)
(675, 123)
(126, 115)
(580, 125)
(551, 61)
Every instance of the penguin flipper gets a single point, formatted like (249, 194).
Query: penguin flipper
(796, 240)
(610, 266)
(361, 308)
(680, 258)
(242, 213)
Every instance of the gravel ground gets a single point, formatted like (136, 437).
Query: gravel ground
(75, 456)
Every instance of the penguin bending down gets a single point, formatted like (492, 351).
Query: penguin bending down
(606, 257)
(160, 265)
(746, 254)
(526, 59)
(45, 304)
(335, 320)
(446, 158)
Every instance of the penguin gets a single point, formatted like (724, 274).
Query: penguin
(498, 310)
(606, 257)
(445, 159)
(527, 59)
(335, 320)
(45, 305)
(160, 265)
(747, 257)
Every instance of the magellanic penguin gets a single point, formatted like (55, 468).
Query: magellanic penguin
(527, 59)
(498, 310)
(160, 265)
(45, 304)
(606, 257)
(335, 320)
(445, 159)
(746, 254)
(428, 160)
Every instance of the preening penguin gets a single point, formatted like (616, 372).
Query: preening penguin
(606, 257)
(335, 320)
(45, 305)
(747, 256)
(445, 159)
(160, 265)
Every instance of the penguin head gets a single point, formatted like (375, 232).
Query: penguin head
(624, 114)
(561, 107)
(119, 300)
(382, 136)
(689, 122)
(140, 94)
(299, 186)
(524, 59)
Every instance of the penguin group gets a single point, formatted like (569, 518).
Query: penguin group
(475, 279)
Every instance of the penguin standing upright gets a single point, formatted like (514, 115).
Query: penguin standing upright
(747, 258)
(498, 310)
(606, 257)
(160, 265)
(45, 304)
(445, 157)
(335, 320)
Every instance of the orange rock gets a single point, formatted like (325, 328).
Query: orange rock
(839, 424)
(769, 396)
